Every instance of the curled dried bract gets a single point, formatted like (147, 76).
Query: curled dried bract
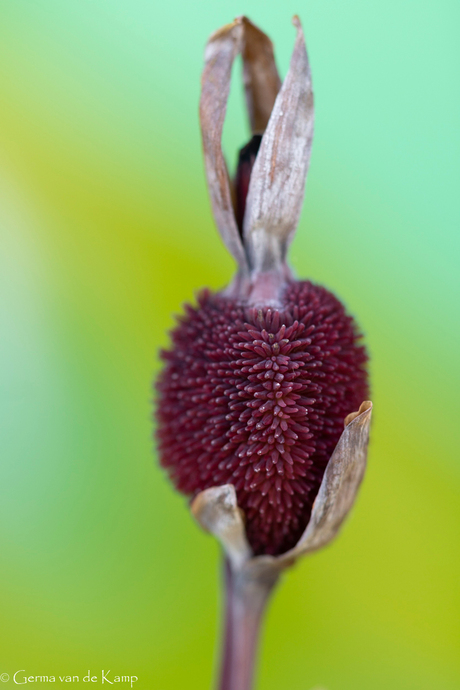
(217, 511)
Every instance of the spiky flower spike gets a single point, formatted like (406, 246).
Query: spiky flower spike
(261, 376)
(256, 397)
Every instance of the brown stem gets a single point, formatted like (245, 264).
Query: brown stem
(245, 601)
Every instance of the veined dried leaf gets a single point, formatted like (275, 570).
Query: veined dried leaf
(260, 76)
(277, 184)
(221, 50)
(341, 481)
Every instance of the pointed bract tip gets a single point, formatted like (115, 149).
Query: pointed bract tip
(222, 31)
(364, 407)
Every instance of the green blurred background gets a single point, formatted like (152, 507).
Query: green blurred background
(106, 230)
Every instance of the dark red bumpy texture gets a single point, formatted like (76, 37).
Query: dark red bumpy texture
(256, 398)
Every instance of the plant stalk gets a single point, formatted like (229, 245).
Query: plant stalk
(246, 596)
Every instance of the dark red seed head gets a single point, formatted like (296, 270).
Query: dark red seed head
(257, 398)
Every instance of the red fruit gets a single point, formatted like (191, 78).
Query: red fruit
(257, 397)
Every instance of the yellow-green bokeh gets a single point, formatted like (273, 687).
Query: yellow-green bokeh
(106, 229)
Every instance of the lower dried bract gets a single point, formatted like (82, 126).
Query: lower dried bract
(250, 579)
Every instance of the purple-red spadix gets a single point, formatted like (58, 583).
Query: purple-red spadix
(260, 376)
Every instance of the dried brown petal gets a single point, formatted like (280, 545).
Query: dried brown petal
(221, 50)
(338, 490)
(260, 76)
(276, 189)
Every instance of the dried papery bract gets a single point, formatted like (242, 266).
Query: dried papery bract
(221, 50)
(276, 189)
(260, 76)
(217, 510)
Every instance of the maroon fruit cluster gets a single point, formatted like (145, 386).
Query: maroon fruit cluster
(257, 398)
